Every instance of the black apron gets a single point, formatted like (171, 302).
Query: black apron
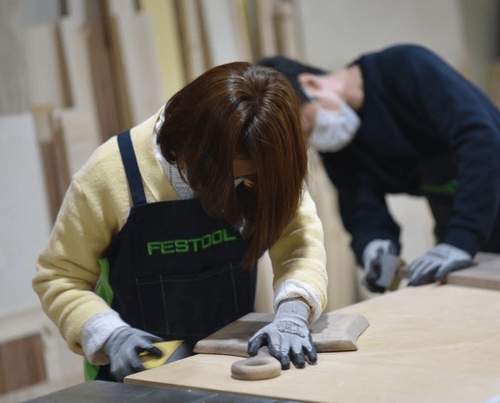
(174, 270)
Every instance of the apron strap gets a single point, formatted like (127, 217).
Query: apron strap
(131, 168)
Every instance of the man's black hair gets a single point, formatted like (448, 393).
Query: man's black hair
(291, 69)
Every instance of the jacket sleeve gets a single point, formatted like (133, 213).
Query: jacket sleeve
(464, 118)
(363, 208)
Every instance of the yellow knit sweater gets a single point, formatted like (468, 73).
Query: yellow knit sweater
(96, 207)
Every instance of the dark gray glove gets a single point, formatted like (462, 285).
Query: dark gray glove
(287, 336)
(437, 263)
(123, 348)
(380, 261)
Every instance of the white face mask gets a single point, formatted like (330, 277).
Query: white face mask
(334, 130)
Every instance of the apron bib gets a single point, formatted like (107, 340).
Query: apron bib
(173, 270)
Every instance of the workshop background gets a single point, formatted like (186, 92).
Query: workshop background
(75, 72)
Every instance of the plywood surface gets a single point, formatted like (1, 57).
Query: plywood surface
(424, 344)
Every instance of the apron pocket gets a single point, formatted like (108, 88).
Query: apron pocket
(189, 306)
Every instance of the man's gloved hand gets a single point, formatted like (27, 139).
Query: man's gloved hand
(123, 348)
(380, 261)
(437, 263)
(287, 336)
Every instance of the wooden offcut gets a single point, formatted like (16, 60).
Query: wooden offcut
(21, 363)
(331, 332)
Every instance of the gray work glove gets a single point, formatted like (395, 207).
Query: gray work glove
(380, 262)
(287, 336)
(123, 348)
(437, 263)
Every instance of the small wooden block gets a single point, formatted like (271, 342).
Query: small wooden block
(486, 274)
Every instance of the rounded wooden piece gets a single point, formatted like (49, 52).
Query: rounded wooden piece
(262, 366)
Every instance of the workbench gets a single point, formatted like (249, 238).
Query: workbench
(433, 343)
(113, 392)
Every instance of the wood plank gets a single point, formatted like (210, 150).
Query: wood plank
(241, 18)
(192, 35)
(167, 44)
(14, 91)
(48, 82)
(134, 34)
(486, 273)
(289, 30)
(221, 32)
(421, 343)
(265, 11)
(25, 223)
(63, 367)
(52, 166)
(41, 11)
(120, 7)
(26, 356)
(77, 139)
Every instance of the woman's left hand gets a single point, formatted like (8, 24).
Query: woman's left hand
(287, 336)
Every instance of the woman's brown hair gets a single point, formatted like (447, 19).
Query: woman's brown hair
(240, 110)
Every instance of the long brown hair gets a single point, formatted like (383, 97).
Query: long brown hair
(240, 110)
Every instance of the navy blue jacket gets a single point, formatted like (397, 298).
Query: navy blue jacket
(425, 130)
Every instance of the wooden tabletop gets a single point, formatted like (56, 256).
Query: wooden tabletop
(434, 343)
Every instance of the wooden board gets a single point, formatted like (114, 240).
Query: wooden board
(193, 38)
(222, 33)
(14, 89)
(46, 74)
(25, 213)
(136, 50)
(424, 344)
(486, 274)
(167, 44)
(331, 332)
(26, 355)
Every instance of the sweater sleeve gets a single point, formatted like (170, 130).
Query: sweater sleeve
(68, 270)
(299, 260)
(465, 118)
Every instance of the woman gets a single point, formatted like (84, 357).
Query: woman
(160, 231)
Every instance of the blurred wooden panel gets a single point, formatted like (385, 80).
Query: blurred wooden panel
(75, 140)
(48, 81)
(265, 26)
(484, 274)
(137, 55)
(41, 11)
(80, 123)
(222, 32)
(14, 92)
(103, 82)
(118, 7)
(289, 29)
(25, 215)
(21, 363)
(192, 36)
(55, 183)
(241, 18)
(167, 44)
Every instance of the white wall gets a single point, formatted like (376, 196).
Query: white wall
(337, 31)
